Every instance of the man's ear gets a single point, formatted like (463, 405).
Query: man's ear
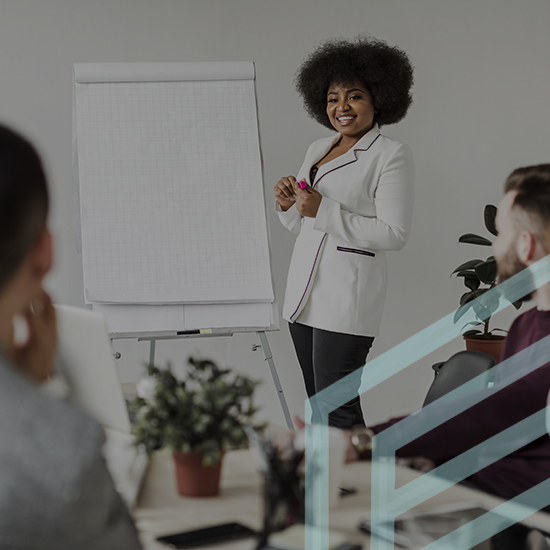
(42, 254)
(526, 247)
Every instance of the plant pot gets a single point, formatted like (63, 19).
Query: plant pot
(195, 480)
(491, 346)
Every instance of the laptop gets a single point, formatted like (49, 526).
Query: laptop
(87, 366)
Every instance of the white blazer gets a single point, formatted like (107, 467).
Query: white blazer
(337, 275)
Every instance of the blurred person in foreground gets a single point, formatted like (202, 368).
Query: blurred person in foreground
(55, 490)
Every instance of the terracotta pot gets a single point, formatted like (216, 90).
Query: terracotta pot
(195, 480)
(491, 346)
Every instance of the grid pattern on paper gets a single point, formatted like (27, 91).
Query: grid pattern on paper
(171, 192)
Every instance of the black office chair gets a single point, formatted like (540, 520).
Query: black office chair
(457, 370)
(451, 374)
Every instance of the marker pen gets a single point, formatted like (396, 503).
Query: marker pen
(303, 185)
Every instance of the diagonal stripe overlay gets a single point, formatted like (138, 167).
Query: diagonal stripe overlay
(384, 497)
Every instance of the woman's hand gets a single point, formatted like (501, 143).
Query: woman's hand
(284, 192)
(307, 200)
(35, 356)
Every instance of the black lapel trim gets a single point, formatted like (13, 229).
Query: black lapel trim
(347, 163)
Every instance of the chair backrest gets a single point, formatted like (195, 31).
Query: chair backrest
(457, 370)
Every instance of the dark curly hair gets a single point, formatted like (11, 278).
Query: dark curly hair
(384, 70)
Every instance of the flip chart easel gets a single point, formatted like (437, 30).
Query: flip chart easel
(172, 210)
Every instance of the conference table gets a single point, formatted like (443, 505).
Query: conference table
(161, 511)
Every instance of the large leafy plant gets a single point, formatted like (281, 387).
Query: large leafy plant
(203, 413)
(479, 277)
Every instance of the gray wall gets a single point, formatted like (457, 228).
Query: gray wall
(480, 110)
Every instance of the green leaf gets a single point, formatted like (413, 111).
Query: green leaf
(487, 271)
(470, 264)
(467, 297)
(517, 304)
(471, 238)
(489, 215)
(470, 280)
(203, 413)
(473, 295)
(472, 332)
(467, 273)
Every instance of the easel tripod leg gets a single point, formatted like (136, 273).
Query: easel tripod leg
(152, 352)
(269, 358)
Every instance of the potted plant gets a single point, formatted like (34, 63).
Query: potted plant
(198, 417)
(480, 276)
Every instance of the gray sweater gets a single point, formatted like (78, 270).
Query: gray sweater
(55, 490)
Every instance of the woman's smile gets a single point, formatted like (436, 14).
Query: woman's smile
(344, 120)
(350, 109)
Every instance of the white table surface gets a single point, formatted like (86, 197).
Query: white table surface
(161, 511)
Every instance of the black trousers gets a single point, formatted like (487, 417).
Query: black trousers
(325, 357)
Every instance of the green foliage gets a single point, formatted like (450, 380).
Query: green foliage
(479, 277)
(204, 413)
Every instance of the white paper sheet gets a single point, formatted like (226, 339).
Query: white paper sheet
(162, 72)
(230, 315)
(172, 204)
(133, 319)
(122, 318)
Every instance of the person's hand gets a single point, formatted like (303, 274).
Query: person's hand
(307, 200)
(298, 422)
(35, 356)
(284, 192)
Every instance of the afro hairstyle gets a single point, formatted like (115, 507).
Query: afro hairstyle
(384, 70)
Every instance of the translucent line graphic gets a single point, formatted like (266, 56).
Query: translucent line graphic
(370, 375)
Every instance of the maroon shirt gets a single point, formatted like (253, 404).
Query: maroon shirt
(526, 466)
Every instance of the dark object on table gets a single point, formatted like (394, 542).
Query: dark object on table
(458, 370)
(345, 490)
(208, 535)
(343, 546)
(284, 492)
(282, 469)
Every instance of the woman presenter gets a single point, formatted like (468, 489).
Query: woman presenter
(350, 202)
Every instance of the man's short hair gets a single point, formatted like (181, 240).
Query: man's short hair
(531, 206)
(24, 200)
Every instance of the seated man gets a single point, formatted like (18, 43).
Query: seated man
(523, 224)
(55, 490)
